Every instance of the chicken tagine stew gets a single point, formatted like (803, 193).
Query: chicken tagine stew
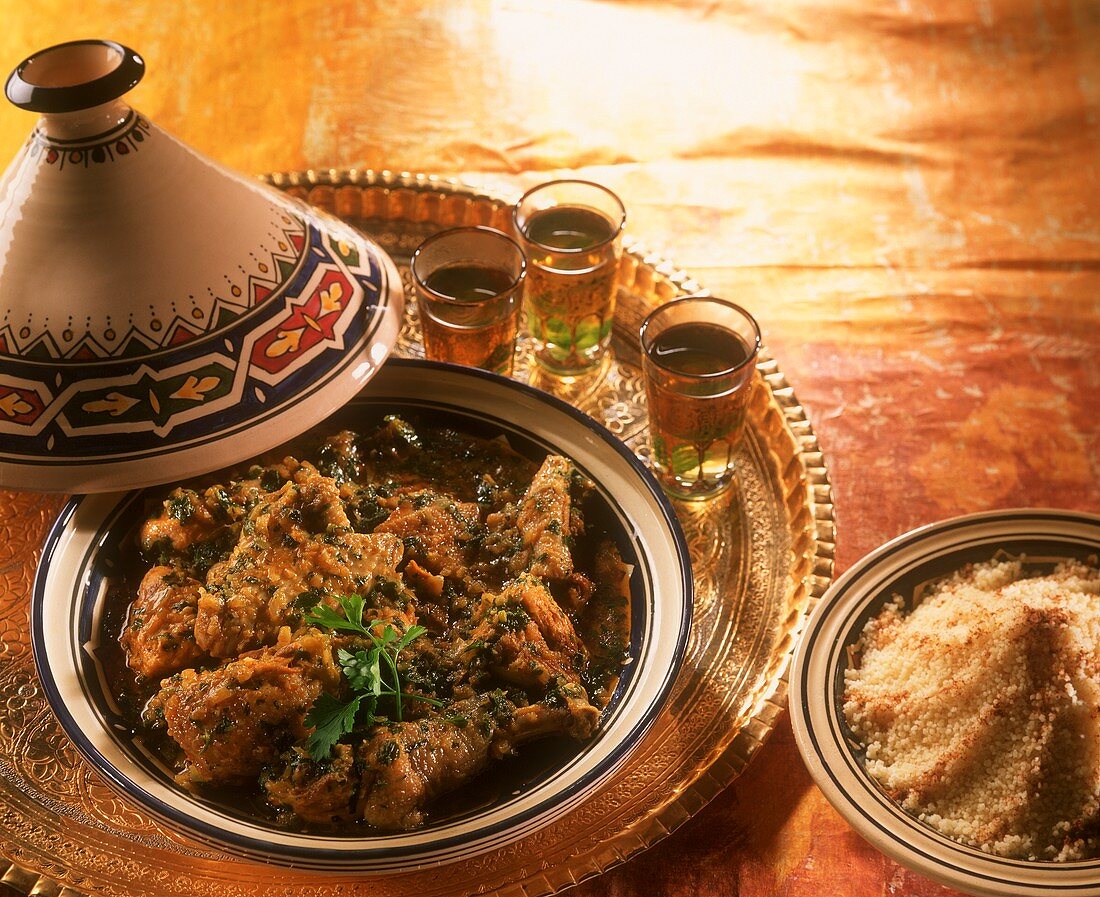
(348, 637)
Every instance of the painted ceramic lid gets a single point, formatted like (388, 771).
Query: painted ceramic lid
(161, 316)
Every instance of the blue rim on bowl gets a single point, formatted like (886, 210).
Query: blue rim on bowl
(830, 751)
(72, 577)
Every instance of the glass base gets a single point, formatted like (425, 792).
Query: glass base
(689, 474)
(697, 491)
(573, 388)
(576, 363)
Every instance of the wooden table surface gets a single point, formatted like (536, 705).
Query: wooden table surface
(906, 194)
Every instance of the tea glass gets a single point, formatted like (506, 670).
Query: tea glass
(571, 231)
(469, 283)
(697, 411)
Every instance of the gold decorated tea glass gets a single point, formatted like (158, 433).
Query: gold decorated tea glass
(572, 233)
(698, 359)
(468, 283)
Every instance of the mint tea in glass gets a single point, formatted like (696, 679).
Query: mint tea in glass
(571, 232)
(699, 357)
(468, 283)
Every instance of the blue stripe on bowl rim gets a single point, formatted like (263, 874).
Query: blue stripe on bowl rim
(855, 618)
(324, 859)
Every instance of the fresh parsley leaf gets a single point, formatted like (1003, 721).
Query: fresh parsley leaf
(352, 621)
(371, 674)
(351, 664)
(374, 672)
(353, 608)
(331, 720)
(411, 635)
(362, 669)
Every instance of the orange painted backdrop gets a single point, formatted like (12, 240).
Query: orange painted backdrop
(905, 192)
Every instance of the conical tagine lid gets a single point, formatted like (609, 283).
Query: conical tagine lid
(161, 316)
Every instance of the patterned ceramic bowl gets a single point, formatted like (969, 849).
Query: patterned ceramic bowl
(85, 548)
(832, 752)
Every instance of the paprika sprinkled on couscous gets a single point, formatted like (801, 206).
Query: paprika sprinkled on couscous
(980, 708)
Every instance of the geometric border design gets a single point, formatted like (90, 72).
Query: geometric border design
(46, 345)
(109, 146)
(292, 340)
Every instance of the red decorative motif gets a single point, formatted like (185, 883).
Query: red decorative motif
(283, 255)
(115, 145)
(308, 324)
(20, 406)
(180, 335)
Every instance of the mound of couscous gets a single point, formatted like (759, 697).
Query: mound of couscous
(980, 709)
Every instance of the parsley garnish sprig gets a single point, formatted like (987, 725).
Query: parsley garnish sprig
(372, 675)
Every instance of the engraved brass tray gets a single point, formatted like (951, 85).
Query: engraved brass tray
(763, 555)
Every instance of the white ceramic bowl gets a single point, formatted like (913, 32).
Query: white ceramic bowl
(82, 554)
(831, 751)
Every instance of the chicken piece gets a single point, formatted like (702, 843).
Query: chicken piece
(234, 720)
(407, 766)
(197, 528)
(535, 721)
(320, 792)
(532, 643)
(606, 623)
(188, 516)
(184, 520)
(548, 522)
(295, 551)
(338, 457)
(436, 530)
(523, 614)
(159, 638)
(578, 588)
(399, 769)
(432, 608)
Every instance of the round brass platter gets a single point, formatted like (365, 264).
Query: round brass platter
(762, 555)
